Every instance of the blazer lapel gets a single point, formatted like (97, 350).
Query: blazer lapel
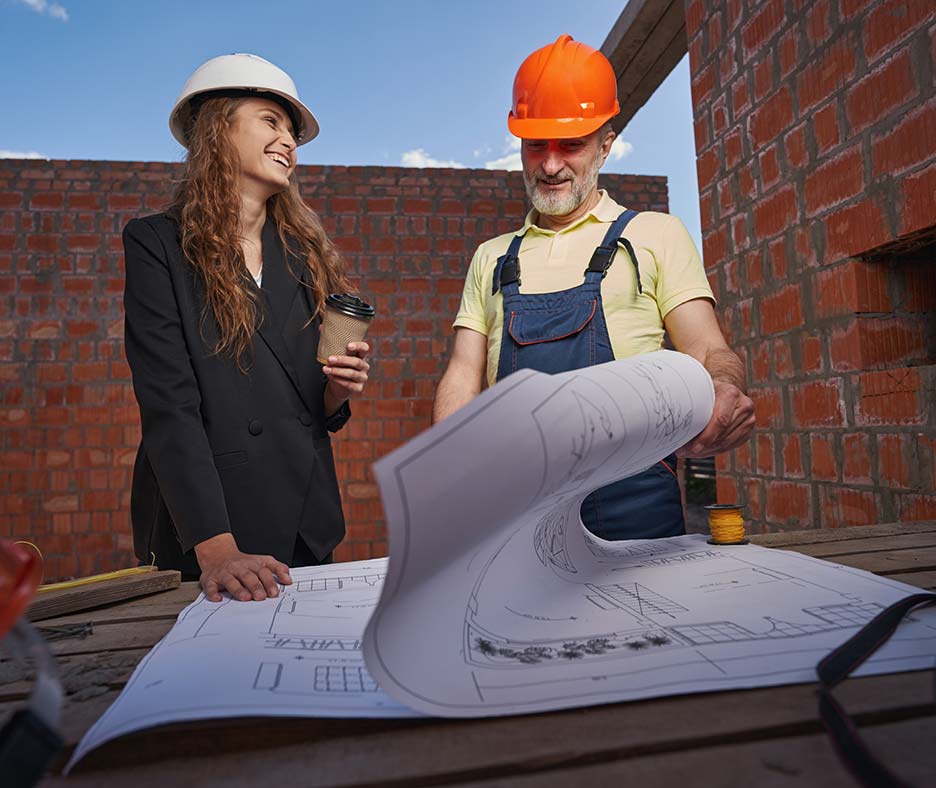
(280, 290)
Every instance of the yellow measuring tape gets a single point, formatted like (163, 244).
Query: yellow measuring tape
(83, 581)
(726, 524)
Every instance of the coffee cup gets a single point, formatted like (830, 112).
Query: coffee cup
(345, 319)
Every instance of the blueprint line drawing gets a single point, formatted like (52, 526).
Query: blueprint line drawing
(298, 655)
(519, 609)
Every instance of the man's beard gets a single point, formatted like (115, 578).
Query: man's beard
(562, 203)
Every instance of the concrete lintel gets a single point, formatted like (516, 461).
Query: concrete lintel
(646, 43)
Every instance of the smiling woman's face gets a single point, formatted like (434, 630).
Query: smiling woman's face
(263, 136)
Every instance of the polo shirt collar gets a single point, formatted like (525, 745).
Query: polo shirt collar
(607, 210)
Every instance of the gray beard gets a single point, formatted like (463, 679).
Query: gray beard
(561, 204)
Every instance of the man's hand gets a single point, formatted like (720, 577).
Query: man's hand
(730, 426)
(346, 376)
(243, 575)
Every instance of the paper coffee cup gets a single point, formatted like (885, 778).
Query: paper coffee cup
(346, 318)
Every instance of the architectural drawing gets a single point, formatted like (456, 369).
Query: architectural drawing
(296, 655)
(518, 609)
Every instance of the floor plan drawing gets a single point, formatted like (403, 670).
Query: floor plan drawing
(519, 609)
(296, 655)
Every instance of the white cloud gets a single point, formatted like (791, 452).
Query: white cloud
(16, 154)
(54, 10)
(510, 161)
(419, 158)
(511, 156)
(620, 149)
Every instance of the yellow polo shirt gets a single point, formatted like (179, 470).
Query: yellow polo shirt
(671, 273)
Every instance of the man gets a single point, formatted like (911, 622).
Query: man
(644, 276)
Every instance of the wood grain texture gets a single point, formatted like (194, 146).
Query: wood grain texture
(104, 592)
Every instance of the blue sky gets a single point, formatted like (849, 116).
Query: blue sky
(392, 83)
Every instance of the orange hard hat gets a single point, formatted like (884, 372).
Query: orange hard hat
(564, 90)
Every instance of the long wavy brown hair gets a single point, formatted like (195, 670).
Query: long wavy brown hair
(206, 207)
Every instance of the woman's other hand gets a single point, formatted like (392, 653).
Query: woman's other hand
(346, 375)
(243, 575)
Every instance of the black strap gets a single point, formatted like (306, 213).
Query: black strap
(836, 666)
(507, 270)
(603, 256)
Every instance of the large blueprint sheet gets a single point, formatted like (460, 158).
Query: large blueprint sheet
(515, 608)
(297, 655)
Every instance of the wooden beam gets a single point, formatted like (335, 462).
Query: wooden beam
(70, 600)
(644, 46)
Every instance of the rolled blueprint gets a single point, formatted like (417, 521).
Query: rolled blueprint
(483, 510)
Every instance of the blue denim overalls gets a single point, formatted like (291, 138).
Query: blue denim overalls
(557, 332)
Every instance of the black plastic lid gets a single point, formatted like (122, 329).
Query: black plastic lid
(350, 305)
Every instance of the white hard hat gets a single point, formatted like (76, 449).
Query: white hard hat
(247, 73)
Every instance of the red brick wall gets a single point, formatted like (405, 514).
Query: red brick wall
(815, 126)
(68, 419)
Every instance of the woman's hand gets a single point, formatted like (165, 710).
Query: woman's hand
(243, 575)
(346, 376)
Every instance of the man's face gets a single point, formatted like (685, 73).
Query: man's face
(560, 174)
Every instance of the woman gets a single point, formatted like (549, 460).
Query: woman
(234, 479)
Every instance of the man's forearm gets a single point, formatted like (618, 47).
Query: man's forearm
(723, 364)
(452, 393)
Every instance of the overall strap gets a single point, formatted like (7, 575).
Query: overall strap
(603, 256)
(507, 270)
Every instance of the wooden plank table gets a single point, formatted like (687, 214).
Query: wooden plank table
(762, 737)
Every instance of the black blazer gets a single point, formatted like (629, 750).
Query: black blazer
(224, 451)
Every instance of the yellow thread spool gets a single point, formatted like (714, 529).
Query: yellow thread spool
(726, 524)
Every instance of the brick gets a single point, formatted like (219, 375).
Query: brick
(890, 396)
(781, 310)
(775, 212)
(740, 98)
(788, 51)
(769, 167)
(772, 117)
(788, 504)
(795, 146)
(763, 26)
(763, 76)
(825, 128)
(857, 454)
(892, 21)
(836, 180)
(818, 404)
(45, 201)
(852, 287)
(917, 507)
(765, 454)
(908, 144)
(918, 206)
(792, 456)
(893, 464)
(734, 149)
(707, 166)
(768, 407)
(823, 465)
(843, 507)
(877, 342)
(818, 28)
(703, 85)
(855, 230)
(821, 79)
(881, 92)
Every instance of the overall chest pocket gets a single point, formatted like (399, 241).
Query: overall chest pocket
(534, 326)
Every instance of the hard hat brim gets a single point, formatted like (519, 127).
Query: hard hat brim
(180, 116)
(555, 128)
